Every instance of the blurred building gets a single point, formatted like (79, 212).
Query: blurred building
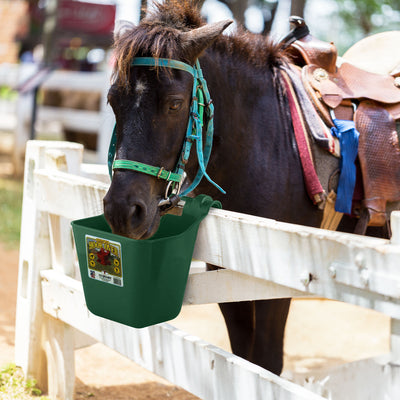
(14, 24)
(77, 33)
(67, 34)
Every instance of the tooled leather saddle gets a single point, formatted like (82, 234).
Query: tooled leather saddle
(372, 100)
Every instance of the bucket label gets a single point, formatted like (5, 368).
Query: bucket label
(104, 260)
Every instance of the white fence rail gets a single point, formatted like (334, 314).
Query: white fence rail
(263, 259)
(16, 114)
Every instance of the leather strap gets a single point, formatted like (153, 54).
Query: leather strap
(311, 180)
(111, 150)
(162, 62)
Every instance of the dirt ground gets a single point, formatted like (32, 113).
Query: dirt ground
(319, 333)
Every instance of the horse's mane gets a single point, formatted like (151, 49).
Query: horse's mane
(158, 35)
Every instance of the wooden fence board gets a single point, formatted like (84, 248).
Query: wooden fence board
(186, 360)
(345, 267)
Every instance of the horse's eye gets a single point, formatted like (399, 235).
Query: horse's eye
(175, 105)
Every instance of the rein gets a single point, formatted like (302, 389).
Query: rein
(201, 104)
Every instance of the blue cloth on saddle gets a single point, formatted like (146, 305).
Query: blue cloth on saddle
(348, 136)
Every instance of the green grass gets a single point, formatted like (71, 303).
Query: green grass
(10, 211)
(7, 93)
(14, 386)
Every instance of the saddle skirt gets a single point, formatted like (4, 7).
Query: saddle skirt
(349, 82)
(379, 155)
(376, 101)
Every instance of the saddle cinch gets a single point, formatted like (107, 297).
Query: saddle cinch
(372, 100)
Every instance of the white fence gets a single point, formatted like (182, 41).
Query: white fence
(16, 114)
(263, 259)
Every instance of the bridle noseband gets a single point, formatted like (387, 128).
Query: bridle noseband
(201, 102)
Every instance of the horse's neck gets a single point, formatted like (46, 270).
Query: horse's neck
(246, 101)
(235, 81)
(249, 109)
(254, 157)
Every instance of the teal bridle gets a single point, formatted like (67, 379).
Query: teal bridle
(201, 105)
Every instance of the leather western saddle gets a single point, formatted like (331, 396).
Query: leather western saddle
(372, 100)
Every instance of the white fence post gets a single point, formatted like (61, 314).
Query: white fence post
(35, 255)
(59, 346)
(395, 325)
(395, 225)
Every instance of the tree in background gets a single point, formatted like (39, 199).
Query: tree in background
(369, 16)
(354, 19)
(267, 7)
(238, 8)
(143, 8)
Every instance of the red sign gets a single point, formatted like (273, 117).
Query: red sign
(85, 17)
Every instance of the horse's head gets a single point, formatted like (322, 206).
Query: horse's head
(151, 106)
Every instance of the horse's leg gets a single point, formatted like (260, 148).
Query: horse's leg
(256, 330)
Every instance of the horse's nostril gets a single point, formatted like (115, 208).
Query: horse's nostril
(137, 213)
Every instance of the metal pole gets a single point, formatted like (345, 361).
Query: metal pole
(34, 113)
(48, 41)
(49, 28)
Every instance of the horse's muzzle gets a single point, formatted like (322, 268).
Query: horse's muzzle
(131, 216)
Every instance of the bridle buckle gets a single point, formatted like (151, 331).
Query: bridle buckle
(160, 172)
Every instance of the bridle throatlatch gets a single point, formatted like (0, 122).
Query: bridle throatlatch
(201, 106)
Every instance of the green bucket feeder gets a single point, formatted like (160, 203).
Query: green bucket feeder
(138, 282)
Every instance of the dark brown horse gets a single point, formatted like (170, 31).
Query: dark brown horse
(254, 158)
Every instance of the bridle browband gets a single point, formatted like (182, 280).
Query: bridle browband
(201, 102)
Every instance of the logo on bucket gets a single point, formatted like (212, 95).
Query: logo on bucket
(104, 260)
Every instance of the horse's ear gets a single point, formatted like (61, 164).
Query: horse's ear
(121, 26)
(199, 39)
